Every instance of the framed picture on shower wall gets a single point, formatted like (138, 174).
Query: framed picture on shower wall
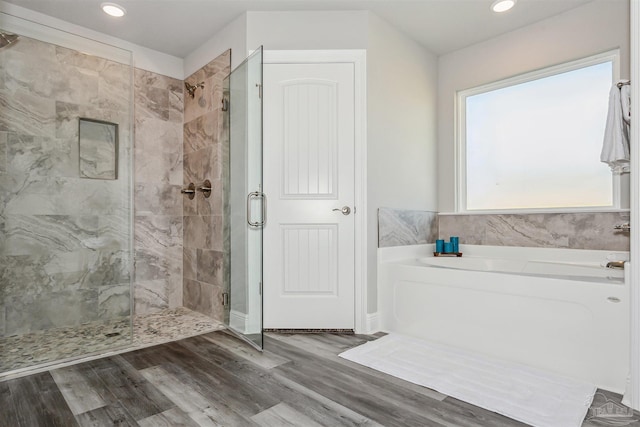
(98, 142)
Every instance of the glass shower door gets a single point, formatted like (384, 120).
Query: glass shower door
(246, 208)
(66, 196)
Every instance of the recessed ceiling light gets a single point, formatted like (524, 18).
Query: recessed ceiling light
(502, 5)
(113, 9)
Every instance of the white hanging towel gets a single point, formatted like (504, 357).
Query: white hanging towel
(625, 101)
(615, 147)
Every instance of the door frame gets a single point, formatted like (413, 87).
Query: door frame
(357, 57)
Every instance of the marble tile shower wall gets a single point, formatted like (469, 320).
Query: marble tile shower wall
(158, 235)
(205, 155)
(64, 256)
(551, 230)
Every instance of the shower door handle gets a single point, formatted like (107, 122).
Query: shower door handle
(257, 195)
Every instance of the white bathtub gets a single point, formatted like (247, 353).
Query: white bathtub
(558, 310)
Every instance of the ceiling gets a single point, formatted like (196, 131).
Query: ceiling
(178, 27)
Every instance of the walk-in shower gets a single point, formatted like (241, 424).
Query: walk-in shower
(67, 202)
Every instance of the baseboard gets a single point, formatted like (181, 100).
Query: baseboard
(373, 323)
(238, 321)
(309, 331)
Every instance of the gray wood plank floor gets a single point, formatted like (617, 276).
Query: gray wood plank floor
(216, 380)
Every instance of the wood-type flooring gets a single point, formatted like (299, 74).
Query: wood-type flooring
(216, 380)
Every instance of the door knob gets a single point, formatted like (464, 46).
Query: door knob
(346, 210)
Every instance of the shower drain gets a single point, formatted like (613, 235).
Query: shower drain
(112, 334)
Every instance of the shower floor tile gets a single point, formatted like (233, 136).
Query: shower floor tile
(58, 344)
(171, 325)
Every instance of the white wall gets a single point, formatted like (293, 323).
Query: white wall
(295, 30)
(402, 81)
(233, 36)
(57, 31)
(307, 30)
(596, 27)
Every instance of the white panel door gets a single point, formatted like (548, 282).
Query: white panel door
(308, 180)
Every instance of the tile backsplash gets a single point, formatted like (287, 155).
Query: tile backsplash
(584, 230)
(399, 227)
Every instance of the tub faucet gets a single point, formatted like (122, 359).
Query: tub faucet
(622, 227)
(616, 264)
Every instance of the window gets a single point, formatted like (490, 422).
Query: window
(534, 141)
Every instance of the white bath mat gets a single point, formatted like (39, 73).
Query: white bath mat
(525, 394)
